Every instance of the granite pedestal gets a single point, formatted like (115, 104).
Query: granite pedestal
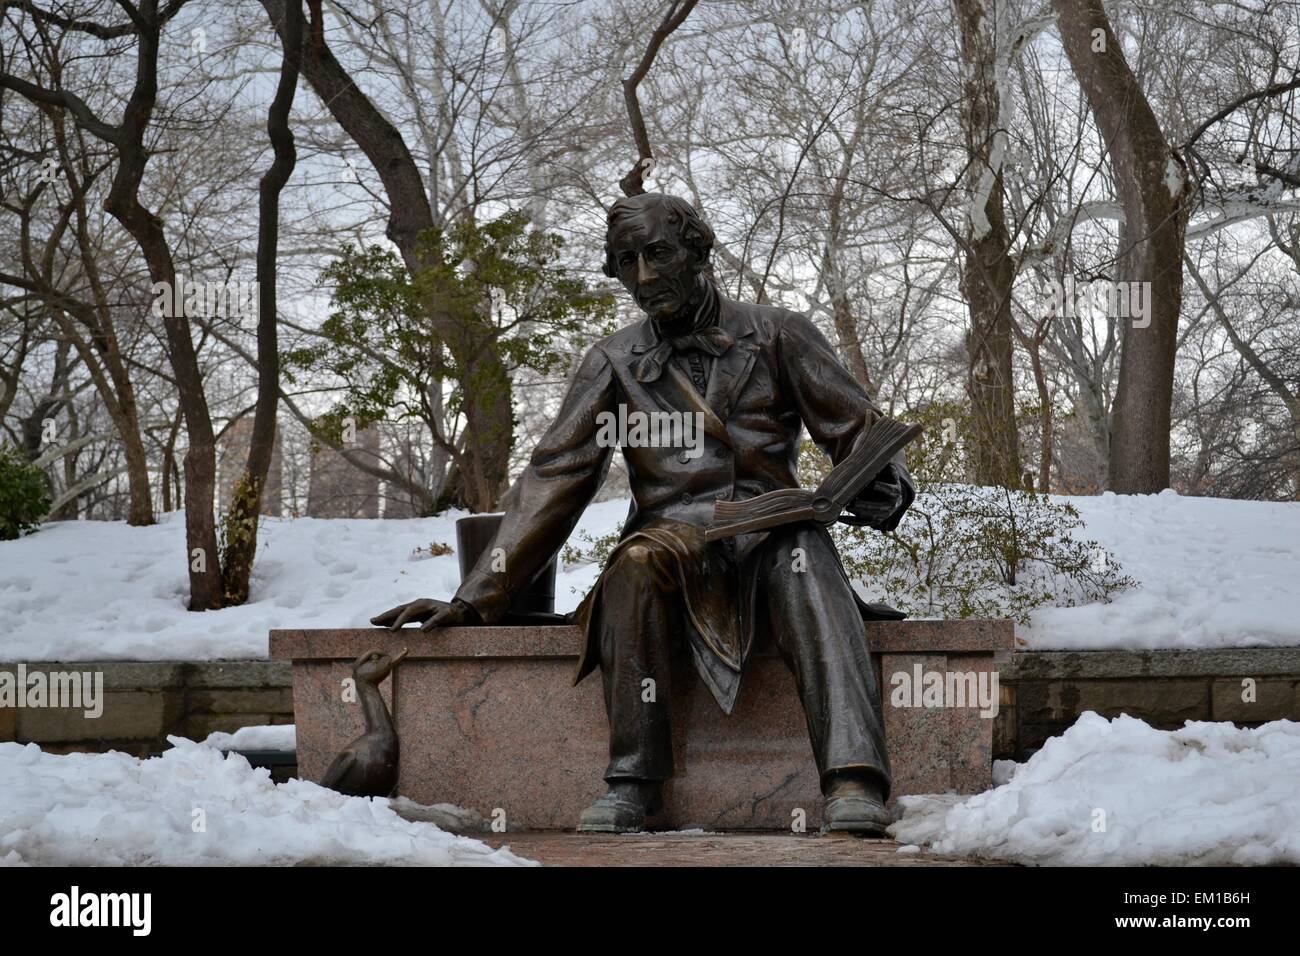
(489, 720)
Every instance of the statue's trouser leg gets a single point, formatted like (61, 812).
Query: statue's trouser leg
(818, 630)
(639, 613)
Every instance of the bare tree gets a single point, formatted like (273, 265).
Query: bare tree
(1152, 184)
(145, 23)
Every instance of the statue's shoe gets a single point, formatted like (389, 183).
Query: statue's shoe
(855, 813)
(615, 813)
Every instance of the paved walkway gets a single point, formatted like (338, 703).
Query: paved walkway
(712, 849)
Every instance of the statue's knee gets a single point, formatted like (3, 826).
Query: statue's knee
(642, 565)
(641, 554)
(638, 560)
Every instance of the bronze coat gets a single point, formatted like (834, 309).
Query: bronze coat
(779, 376)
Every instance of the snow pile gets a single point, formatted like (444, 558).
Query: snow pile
(1210, 573)
(1003, 771)
(281, 737)
(1119, 792)
(192, 806)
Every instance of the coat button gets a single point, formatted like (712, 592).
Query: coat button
(686, 498)
(684, 457)
(721, 452)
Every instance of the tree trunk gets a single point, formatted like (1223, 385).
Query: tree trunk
(97, 347)
(1046, 420)
(988, 271)
(246, 502)
(123, 203)
(68, 510)
(846, 328)
(484, 380)
(489, 431)
(140, 511)
(1152, 184)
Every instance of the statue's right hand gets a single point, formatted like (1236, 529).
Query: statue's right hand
(429, 613)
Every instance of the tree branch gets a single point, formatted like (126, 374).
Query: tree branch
(633, 184)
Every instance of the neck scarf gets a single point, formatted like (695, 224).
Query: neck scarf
(705, 335)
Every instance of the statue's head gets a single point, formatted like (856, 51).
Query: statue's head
(657, 246)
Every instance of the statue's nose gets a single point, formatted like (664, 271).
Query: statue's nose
(644, 273)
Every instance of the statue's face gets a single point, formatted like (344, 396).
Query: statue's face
(654, 265)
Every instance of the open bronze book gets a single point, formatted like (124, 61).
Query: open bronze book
(878, 444)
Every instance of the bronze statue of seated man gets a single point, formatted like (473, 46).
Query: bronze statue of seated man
(756, 376)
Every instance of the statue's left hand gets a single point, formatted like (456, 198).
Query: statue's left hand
(879, 501)
(430, 613)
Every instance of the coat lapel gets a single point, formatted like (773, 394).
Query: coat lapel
(673, 390)
(731, 369)
(694, 402)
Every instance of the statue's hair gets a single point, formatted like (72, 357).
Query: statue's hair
(695, 233)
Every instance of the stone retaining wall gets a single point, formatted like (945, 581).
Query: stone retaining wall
(1042, 693)
(145, 702)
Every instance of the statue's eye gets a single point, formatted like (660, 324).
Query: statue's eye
(625, 259)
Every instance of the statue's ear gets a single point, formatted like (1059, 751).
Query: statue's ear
(699, 238)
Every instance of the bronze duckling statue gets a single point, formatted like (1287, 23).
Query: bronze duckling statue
(368, 766)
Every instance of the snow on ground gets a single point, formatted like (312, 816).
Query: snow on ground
(1211, 573)
(1120, 793)
(94, 590)
(113, 810)
(262, 737)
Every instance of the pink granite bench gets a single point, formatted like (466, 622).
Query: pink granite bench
(488, 721)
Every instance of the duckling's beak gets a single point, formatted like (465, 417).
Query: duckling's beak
(399, 658)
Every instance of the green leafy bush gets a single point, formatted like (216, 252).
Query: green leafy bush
(972, 551)
(24, 494)
(593, 550)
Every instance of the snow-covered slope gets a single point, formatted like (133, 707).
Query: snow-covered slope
(1211, 573)
(95, 590)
